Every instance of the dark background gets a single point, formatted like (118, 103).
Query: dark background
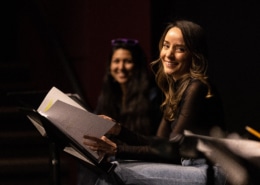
(65, 43)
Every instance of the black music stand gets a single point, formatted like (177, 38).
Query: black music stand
(58, 141)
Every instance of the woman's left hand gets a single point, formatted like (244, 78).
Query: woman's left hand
(101, 145)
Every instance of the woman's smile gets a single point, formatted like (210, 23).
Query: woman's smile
(175, 57)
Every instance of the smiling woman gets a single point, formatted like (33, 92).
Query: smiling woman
(129, 94)
(191, 103)
(122, 66)
(174, 54)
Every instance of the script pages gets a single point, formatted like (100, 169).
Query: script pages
(73, 121)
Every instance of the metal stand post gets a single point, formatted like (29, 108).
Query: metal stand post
(54, 165)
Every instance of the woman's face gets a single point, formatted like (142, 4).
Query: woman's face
(121, 65)
(174, 55)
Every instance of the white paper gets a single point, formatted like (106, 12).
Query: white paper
(76, 122)
(72, 119)
(53, 95)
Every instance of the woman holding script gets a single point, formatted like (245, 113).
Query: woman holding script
(191, 103)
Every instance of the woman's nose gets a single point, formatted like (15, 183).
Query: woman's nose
(121, 65)
(170, 53)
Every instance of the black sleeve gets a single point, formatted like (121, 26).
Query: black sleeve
(139, 147)
(191, 109)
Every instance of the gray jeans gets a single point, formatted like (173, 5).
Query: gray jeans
(191, 172)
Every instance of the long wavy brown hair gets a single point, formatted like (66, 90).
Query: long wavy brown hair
(195, 41)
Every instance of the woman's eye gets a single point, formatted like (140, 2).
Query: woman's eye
(180, 49)
(166, 45)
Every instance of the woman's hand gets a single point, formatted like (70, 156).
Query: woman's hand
(103, 145)
(115, 130)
